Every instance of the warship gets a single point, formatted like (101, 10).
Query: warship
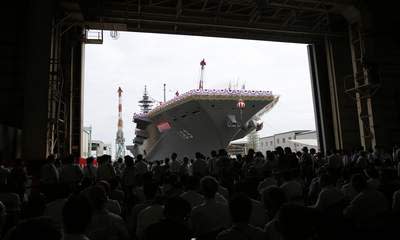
(200, 120)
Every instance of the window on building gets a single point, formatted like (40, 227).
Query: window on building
(270, 143)
(277, 140)
(283, 140)
(290, 138)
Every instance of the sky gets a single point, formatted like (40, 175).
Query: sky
(138, 59)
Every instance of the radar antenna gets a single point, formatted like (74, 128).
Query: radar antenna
(147, 102)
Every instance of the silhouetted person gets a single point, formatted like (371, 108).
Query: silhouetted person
(240, 208)
(210, 217)
(296, 222)
(175, 164)
(76, 216)
(273, 198)
(366, 209)
(43, 228)
(140, 166)
(105, 170)
(90, 171)
(49, 174)
(174, 225)
(71, 173)
(104, 224)
(200, 167)
(191, 194)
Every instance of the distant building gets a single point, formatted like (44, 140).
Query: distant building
(237, 147)
(86, 143)
(295, 139)
(100, 148)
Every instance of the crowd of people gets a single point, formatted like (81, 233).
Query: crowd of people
(281, 195)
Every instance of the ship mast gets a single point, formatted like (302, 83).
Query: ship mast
(120, 140)
(146, 103)
(202, 64)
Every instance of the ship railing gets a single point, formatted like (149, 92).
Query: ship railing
(209, 92)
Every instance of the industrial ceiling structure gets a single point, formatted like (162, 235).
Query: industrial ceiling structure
(288, 20)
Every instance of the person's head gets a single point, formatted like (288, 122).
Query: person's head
(120, 160)
(296, 222)
(313, 151)
(213, 153)
(100, 160)
(173, 181)
(288, 150)
(129, 161)
(358, 182)
(192, 183)
(273, 198)
(176, 208)
(222, 152)
(150, 190)
(259, 155)
(174, 156)
(89, 160)
(250, 152)
(270, 156)
(97, 197)
(279, 151)
(76, 214)
(198, 155)
(43, 228)
(240, 208)
(166, 161)
(139, 158)
(105, 185)
(304, 149)
(209, 186)
(185, 160)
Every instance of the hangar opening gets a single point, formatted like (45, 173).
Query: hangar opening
(135, 60)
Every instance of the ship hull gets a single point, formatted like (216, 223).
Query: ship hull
(200, 124)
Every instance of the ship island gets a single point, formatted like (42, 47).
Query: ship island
(200, 120)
